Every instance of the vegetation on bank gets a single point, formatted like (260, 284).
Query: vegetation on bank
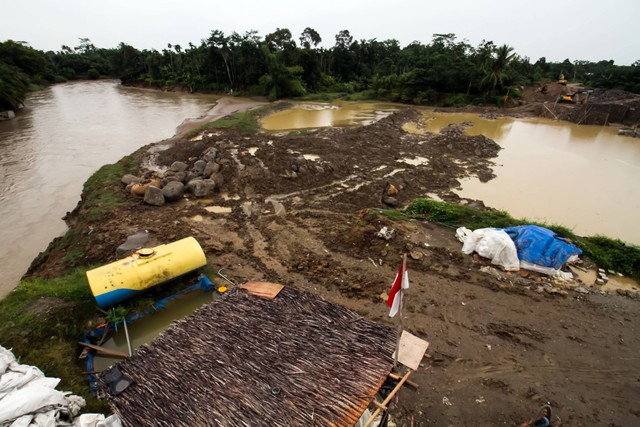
(445, 71)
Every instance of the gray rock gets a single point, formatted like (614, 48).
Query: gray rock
(133, 243)
(201, 187)
(128, 179)
(199, 166)
(173, 191)
(390, 201)
(153, 196)
(167, 179)
(7, 115)
(218, 178)
(198, 146)
(209, 154)
(211, 169)
(189, 176)
(179, 166)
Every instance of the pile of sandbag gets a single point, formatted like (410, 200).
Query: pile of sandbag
(29, 399)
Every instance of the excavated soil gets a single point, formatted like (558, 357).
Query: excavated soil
(501, 344)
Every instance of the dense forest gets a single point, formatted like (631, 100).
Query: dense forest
(445, 71)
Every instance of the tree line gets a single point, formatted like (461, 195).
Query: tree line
(445, 71)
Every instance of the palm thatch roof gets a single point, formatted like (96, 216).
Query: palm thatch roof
(243, 360)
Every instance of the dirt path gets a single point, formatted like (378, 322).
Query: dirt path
(500, 345)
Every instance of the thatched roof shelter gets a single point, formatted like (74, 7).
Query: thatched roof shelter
(243, 360)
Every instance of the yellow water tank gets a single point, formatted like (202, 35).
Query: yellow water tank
(125, 278)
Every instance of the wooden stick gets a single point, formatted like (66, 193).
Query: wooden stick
(126, 333)
(379, 405)
(398, 377)
(104, 350)
(388, 399)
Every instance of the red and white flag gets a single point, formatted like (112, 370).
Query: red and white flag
(394, 299)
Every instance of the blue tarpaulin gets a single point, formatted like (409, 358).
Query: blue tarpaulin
(541, 246)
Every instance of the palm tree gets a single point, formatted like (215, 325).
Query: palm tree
(498, 68)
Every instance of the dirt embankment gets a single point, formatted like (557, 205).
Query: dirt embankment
(303, 214)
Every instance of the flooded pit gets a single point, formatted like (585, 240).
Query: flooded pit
(580, 176)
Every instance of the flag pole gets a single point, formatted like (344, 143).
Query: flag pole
(404, 268)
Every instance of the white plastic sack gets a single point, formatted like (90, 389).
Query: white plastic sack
(29, 400)
(493, 244)
(462, 234)
(558, 274)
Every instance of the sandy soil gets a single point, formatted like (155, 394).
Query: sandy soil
(500, 345)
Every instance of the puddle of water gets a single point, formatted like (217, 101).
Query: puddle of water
(416, 161)
(312, 157)
(218, 209)
(202, 201)
(434, 196)
(622, 283)
(393, 172)
(145, 330)
(587, 277)
(583, 177)
(315, 115)
(226, 196)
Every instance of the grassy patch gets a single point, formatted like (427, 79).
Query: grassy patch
(244, 122)
(608, 253)
(102, 192)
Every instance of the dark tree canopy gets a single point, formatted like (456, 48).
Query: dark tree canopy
(445, 71)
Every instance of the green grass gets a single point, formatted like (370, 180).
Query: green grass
(102, 192)
(606, 252)
(244, 122)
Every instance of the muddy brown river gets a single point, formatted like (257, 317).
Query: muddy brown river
(580, 176)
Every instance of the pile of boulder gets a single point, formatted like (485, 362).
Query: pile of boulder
(201, 180)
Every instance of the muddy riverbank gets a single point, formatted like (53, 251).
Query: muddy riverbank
(302, 212)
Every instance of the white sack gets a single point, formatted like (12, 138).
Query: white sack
(29, 400)
(493, 244)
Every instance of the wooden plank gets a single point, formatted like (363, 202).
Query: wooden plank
(411, 350)
(104, 350)
(408, 382)
(388, 399)
(263, 289)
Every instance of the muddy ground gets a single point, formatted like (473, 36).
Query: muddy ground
(500, 345)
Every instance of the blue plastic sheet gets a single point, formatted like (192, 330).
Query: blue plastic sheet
(541, 246)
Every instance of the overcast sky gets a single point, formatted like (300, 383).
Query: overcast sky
(578, 30)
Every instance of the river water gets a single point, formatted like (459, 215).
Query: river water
(66, 133)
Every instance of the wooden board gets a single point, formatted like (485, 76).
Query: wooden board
(412, 350)
(263, 289)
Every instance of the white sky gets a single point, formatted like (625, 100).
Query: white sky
(575, 29)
